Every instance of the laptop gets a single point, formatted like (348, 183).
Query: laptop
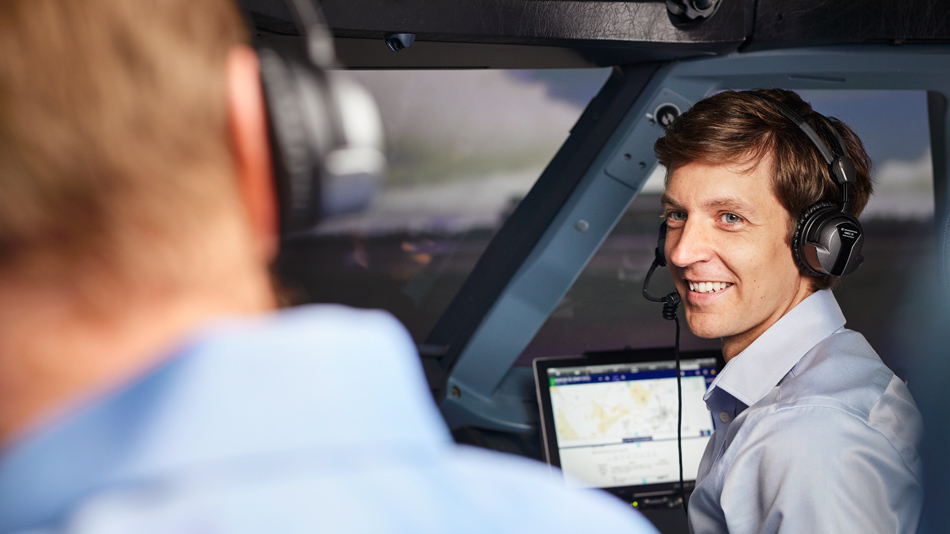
(608, 420)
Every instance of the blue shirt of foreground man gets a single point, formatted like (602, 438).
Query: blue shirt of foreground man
(146, 385)
(813, 432)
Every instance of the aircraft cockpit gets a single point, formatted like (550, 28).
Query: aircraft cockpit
(518, 216)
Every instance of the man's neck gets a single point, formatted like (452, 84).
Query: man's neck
(55, 351)
(733, 345)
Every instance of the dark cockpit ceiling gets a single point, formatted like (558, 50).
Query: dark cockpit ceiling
(587, 33)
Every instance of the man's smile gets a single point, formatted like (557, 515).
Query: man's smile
(707, 287)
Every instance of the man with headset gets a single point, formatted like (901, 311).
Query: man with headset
(813, 432)
(146, 382)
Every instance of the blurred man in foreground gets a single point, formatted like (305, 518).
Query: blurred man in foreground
(146, 384)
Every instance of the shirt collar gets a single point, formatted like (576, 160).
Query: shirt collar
(752, 373)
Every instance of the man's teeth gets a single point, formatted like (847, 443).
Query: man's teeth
(708, 287)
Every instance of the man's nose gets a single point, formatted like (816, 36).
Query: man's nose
(688, 245)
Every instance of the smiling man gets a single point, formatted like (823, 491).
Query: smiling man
(813, 432)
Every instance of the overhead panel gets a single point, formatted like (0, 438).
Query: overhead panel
(795, 23)
(512, 33)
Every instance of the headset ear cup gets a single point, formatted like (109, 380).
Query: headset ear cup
(326, 139)
(297, 118)
(805, 221)
(827, 241)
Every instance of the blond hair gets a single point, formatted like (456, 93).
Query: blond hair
(113, 131)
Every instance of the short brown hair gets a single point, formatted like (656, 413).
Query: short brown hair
(736, 127)
(113, 128)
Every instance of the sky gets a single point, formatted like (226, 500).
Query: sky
(464, 145)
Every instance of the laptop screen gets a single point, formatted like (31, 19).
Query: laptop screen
(609, 418)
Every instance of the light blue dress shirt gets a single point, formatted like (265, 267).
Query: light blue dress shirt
(813, 434)
(316, 420)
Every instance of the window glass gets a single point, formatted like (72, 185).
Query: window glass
(605, 310)
(463, 148)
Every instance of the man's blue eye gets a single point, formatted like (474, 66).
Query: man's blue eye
(731, 218)
(677, 215)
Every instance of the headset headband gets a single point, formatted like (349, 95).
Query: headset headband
(839, 164)
(314, 29)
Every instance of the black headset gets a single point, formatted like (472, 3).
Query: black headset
(828, 238)
(324, 128)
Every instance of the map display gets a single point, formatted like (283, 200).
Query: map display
(617, 426)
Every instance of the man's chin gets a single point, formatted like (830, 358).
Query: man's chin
(701, 326)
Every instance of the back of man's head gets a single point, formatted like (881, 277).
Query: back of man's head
(113, 137)
(129, 134)
(739, 129)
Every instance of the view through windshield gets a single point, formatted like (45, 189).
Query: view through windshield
(464, 147)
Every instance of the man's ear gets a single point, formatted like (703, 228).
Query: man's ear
(247, 127)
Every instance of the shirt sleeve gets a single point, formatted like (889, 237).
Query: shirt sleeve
(818, 469)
